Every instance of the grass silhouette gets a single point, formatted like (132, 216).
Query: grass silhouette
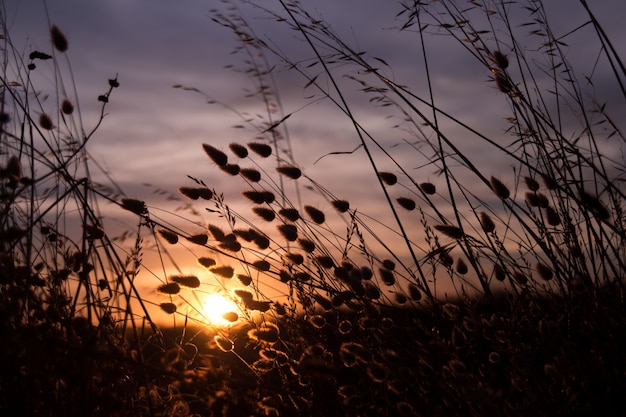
(507, 300)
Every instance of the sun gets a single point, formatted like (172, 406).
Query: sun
(215, 306)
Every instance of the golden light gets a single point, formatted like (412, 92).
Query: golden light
(215, 306)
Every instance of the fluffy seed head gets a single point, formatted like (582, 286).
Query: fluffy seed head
(545, 272)
(341, 205)
(261, 265)
(406, 203)
(306, 245)
(45, 122)
(499, 188)
(289, 171)
(531, 183)
(230, 245)
(245, 280)
(135, 206)
(261, 149)
(325, 261)
(67, 107)
(230, 316)
(223, 271)
(388, 178)
(499, 273)
(295, 258)
(189, 281)
(414, 292)
(223, 343)
(316, 215)
(552, 217)
(14, 168)
(169, 308)
(206, 262)
(449, 230)
(199, 239)
(250, 174)
(461, 266)
(500, 59)
(171, 288)
(486, 223)
(387, 276)
(238, 150)
(58, 38)
(169, 236)
(215, 154)
(290, 214)
(189, 192)
(289, 231)
(231, 169)
(428, 188)
(265, 213)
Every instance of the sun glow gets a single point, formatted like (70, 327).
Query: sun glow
(215, 306)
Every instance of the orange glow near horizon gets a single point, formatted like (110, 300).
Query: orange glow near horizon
(214, 306)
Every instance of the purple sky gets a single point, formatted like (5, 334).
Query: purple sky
(153, 132)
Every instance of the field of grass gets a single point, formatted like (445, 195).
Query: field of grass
(507, 300)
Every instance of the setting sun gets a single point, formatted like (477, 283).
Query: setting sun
(215, 306)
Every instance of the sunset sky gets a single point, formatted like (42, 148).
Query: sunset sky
(152, 133)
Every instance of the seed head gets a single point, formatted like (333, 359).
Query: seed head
(231, 169)
(230, 245)
(224, 343)
(223, 271)
(414, 292)
(245, 280)
(306, 245)
(499, 188)
(290, 214)
(45, 122)
(169, 308)
(215, 154)
(341, 205)
(545, 272)
(67, 107)
(59, 41)
(428, 188)
(238, 150)
(388, 178)
(261, 149)
(289, 231)
(325, 261)
(499, 273)
(531, 183)
(169, 236)
(486, 223)
(230, 316)
(316, 215)
(387, 276)
(206, 262)
(171, 288)
(449, 230)
(189, 281)
(552, 217)
(461, 266)
(250, 174)
(406, 203)
(289, 171)
(500, 59)
(295, 258)
(261, 265)
(199, 239)
(14, 168)
(189, 192)
(265, 213)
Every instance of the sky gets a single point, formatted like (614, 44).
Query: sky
(152, 133)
